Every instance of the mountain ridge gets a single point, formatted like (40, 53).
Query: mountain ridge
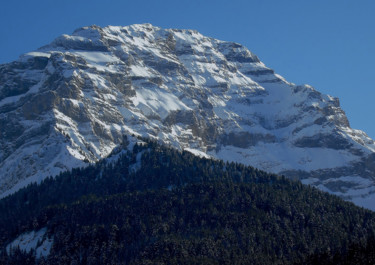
(74, 99)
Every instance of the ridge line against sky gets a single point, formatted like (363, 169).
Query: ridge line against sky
(327, 44)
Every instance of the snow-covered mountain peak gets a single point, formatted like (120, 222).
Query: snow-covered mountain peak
(71, 101)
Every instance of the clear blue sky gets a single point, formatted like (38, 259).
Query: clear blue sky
(328, 44)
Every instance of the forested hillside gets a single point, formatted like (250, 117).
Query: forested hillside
(157, 205)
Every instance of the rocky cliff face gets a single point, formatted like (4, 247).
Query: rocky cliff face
(70, 103)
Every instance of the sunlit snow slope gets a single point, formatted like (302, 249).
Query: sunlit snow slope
(70, 102)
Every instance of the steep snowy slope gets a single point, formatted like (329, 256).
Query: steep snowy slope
(70, 102)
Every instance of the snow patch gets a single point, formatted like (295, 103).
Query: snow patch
(97, 57)
(34, 240)
(136, 70)
(282, 157)
(138, 163)
(29, 55)
(365, 201)
(157, 101)
(197, 152)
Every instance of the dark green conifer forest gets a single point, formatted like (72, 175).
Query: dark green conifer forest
(157, 205)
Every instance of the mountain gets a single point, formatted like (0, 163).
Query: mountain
(150, 204)
(69, 104)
